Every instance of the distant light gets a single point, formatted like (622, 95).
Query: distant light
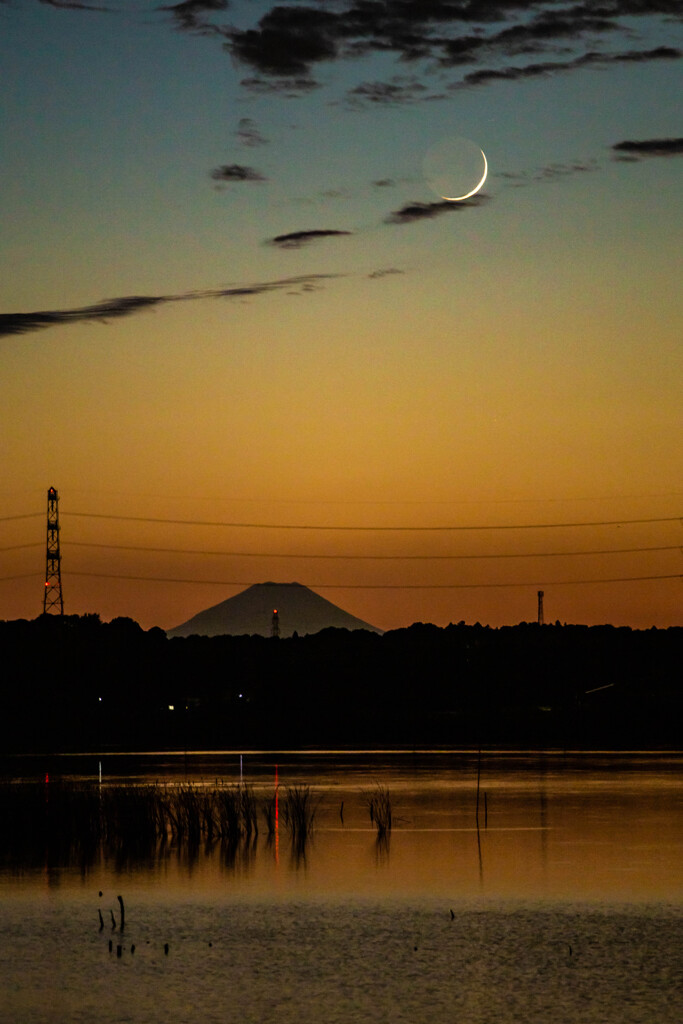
(171, 707)
(274, 611)
(99, 698)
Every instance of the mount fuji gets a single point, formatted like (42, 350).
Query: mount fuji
(300, 610)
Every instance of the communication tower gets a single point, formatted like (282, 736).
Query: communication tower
(275, 625)
(53, 602)
(540, 607)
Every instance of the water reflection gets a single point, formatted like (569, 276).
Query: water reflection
(545, 826)
(563, 901)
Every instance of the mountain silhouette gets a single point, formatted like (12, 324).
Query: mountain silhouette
(300, 610)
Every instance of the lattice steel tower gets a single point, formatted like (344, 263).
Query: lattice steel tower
(540, 607)
(53, 602)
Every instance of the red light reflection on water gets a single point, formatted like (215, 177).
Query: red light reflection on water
(277, 821)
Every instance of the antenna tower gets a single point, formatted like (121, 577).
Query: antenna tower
(53, 602)
(275, 625)
(540, 607)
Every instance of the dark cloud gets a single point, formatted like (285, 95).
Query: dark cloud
(296, 239)
(111, 309)
(289, 41)
(640, 56)
(236, 172)
(384, 183)
(634, 149)
(543, 68)
(248, 133)
(190, 15)
(548, 28)
(72, 5)
(425, 211)
(624, 8)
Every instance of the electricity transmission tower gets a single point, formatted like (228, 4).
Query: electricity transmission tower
(540, 607)
(275, 625)
(53, 602)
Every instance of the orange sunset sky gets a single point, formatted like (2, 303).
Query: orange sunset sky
(228, 296)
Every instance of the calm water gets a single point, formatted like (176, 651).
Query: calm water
(564, 905)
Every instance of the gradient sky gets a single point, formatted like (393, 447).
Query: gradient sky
(228, 295)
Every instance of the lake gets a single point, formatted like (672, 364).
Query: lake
(557, 896)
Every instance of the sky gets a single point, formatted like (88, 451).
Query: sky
(246, 340)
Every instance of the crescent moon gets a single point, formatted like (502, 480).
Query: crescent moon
(457, 199)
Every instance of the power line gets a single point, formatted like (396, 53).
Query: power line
(375, 529)
(384, 586)
(27, 515)
(346, 557)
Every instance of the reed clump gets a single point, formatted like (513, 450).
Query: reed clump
(269, 809)
(72, 820)
(379, 807)
(298, 811)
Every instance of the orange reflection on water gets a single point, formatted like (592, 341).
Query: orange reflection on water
(552, 830)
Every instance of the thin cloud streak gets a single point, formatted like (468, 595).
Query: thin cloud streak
(632, 149)
(425, 211)
(236, 172)
(296, 239)
(542, 69)
(112, 309)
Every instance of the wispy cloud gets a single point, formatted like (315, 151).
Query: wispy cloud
(112, 309)
(297, 239)
(550, 173)
(425, 211)
(541, 69)
(399, 90)
(633, 149)
(191, 15)
(291, 88)
(289, 41)
(285, 42)
(248, 133)
(73, 5)
(236, 172)
(385, 273)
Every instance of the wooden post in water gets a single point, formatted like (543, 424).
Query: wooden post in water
(478, 782)
(123, 912)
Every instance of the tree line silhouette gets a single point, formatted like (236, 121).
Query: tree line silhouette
(76, 683)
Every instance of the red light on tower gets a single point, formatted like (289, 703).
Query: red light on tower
(275, 625)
